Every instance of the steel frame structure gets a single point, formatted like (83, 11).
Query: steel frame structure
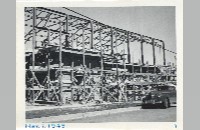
(83, 36)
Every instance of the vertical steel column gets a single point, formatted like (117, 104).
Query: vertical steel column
(128, 48)
(33, 51)
(91, 40)
(83, 42)
(102, 67)
(60, 63)
(84, 64)
(132, 61)
(142, 53)
(72, 72)
(72, 79)
(92, 33)
(147, 65)
(133, 67)
(124, 62)
(73, 41)
(140, 67)
(154, 54)
(142, 50)
(34, 39)
(48, 64)
(111, 39)
(117, 70)
(67, 30)
(164, 57)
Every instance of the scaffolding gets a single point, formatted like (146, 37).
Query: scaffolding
(71, 59)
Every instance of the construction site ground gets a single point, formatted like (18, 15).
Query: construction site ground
(135, 115)
(43, 110)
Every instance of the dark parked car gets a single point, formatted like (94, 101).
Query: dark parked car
(162, 96)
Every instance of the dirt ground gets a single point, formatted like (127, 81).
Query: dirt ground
(143, 115)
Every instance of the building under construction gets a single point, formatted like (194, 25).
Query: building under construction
(71, 59)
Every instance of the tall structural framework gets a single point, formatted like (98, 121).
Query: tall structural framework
(70, 55)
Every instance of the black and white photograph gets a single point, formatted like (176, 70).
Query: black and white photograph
(99, 66)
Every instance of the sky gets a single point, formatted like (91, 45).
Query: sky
(153, 21)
